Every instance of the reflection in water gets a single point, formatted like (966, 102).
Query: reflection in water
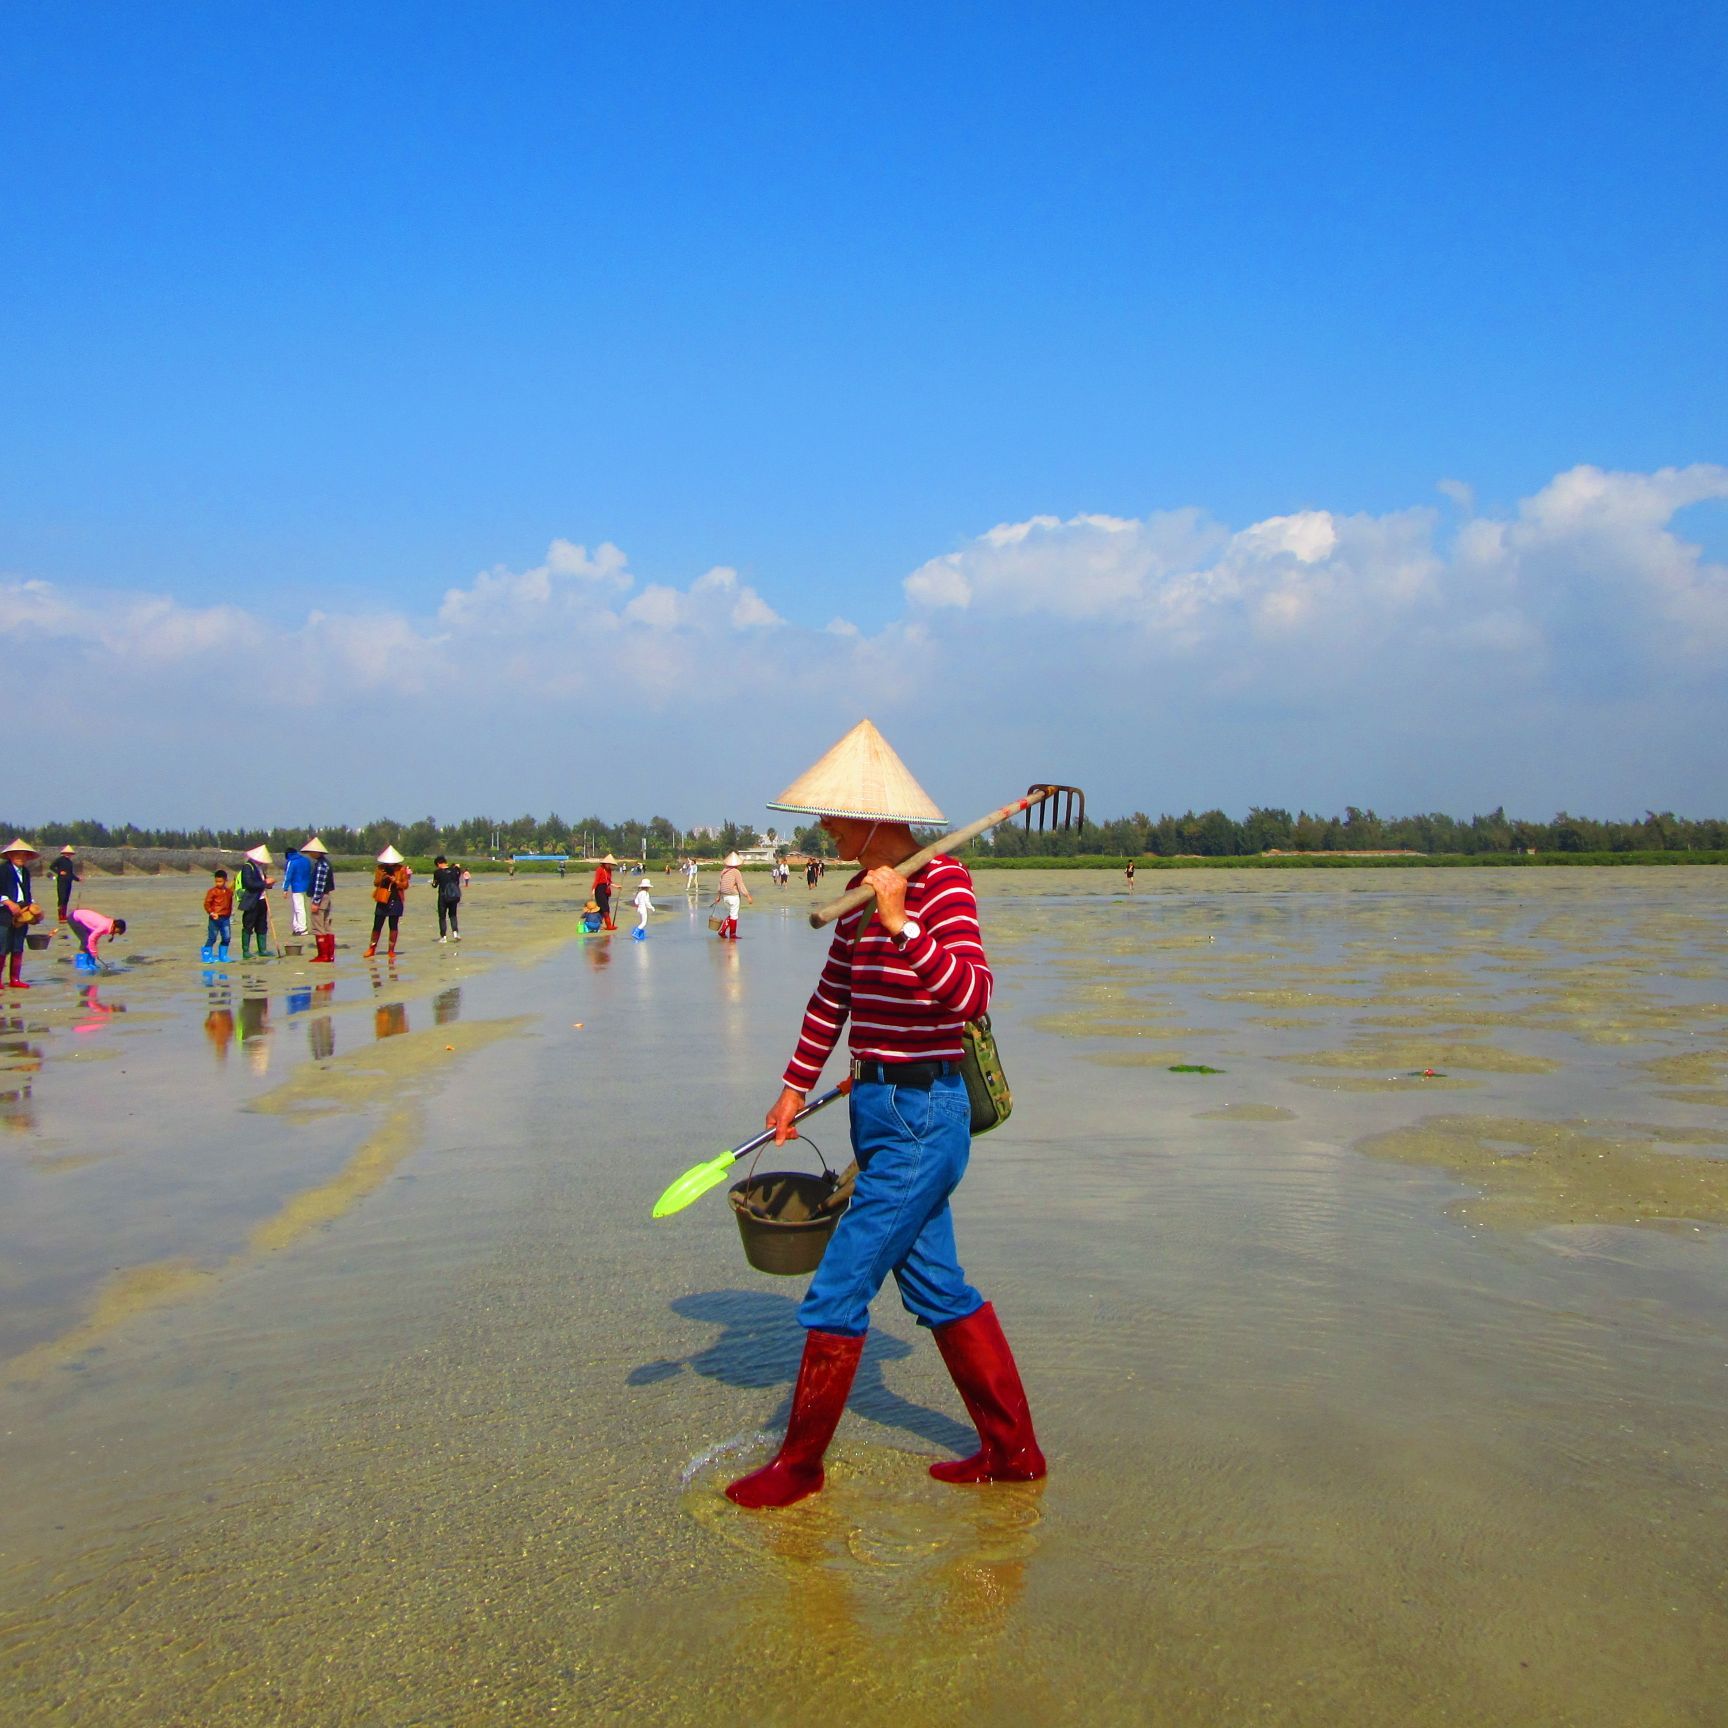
(255, 1032)
(599, 953)
(447, 1006)
(219, 1029)
(390, 1019)
(322, 1035)
(299, 999)
(19, 1059)
(94, 1009)
(17, 1112)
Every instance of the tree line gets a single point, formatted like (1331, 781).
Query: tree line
(1213, 834)
(1208, 834)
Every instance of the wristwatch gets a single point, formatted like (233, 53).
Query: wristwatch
(906, 932)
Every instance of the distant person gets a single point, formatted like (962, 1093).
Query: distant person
(691, 871)
(561, 868)
(254, 897)
(1129, 873)
(218, 916)
(512, 868)
(296, 885)
(602, 889)
(320, 893)
(90, 927)
(18, 911)
(811, 872)
(64, 870)
(643, 901)
(390, 880)
(447, 880)
(732, 888)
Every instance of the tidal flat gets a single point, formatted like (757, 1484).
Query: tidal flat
(344, 1378)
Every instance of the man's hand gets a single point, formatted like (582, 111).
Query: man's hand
(890, 890)
(786, 1106)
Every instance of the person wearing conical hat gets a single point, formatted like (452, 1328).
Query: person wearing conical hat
(732, 889)
(319, 895)
(253, 893)
(908, 972)
(18, 909)
(64, 870)
(390, 880)
(601, 889)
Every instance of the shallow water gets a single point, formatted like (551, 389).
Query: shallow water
(343, 1378)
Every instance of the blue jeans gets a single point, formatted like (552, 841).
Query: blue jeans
(216, 931)
(912, 1146)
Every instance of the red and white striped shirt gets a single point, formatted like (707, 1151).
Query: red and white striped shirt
(906, 1004)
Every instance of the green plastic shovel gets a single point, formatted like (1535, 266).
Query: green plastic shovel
(696, 1182)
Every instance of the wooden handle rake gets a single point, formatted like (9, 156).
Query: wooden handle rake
(1060, 808)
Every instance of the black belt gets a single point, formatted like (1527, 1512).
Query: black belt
(920, 1074)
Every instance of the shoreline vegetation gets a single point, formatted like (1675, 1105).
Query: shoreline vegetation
(1268, 838)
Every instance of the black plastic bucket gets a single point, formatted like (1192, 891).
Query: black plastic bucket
(781, 1220)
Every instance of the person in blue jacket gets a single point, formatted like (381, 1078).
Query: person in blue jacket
(296, 884)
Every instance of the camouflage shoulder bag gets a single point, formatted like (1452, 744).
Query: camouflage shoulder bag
(986, 1083)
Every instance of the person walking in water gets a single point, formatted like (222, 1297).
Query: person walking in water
(908, 971)
(254, 896)
(732, 887)
(390, 880)
(602, 890)
(64, 870)
(643, 901)
(318, 894)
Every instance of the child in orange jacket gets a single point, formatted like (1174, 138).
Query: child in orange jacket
(219, 910)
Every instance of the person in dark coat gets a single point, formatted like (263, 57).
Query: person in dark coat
(18, 910)
(64, 870)
(447, 879)
(253, 894)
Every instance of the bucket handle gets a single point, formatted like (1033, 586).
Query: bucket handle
(834, 1181)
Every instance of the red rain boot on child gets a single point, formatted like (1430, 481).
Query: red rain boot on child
(983, 1369)
(795, 1471)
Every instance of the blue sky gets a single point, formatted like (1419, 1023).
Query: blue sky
(310, 316)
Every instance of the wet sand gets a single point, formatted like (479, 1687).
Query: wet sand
(343, 1378)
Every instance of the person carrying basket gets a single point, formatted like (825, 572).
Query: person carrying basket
(908, 972)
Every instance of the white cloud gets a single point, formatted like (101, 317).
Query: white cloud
(1569, 648)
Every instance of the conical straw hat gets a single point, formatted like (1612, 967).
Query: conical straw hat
(68, 852)
(608, 859)
(260, 855)
(23, 846)
(731, 861)
(389, 856)
(316, 845)
(861, 776)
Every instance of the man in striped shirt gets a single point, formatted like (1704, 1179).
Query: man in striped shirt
(908, 971)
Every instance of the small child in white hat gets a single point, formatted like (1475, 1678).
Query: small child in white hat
(643, 901)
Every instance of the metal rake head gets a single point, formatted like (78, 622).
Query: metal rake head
(1061, 809)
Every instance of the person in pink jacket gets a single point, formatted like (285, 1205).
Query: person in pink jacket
(91, 928)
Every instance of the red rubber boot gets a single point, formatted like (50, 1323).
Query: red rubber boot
(983, 1368)
(17, 967)
(795, 1471)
